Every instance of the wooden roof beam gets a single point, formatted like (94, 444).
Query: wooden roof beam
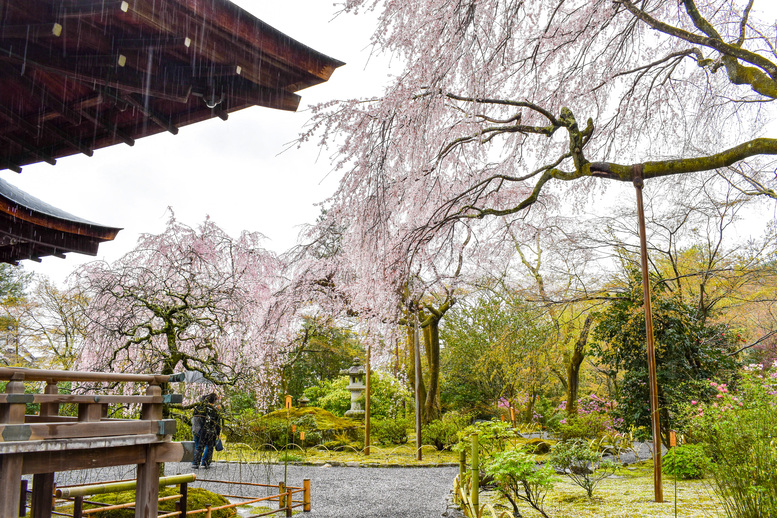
(32, 32)
(124, 80)
(32, 130)
(134, 100)
(8, 164)
(22, 143)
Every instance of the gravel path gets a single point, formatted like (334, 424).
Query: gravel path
(352, 492)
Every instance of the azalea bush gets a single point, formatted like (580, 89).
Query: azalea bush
(594, 419)
(739, 429)
(686, 462)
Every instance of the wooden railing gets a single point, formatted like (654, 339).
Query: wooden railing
(284, 497)
(48, 441)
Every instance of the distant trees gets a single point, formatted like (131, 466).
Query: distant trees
(186, 299)
(690, 351)
(495, 347)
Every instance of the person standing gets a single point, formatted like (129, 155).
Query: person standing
(198, 417)
(210, 428)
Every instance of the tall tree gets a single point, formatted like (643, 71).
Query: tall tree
(502, 106)
(56, 323)
(188, 298)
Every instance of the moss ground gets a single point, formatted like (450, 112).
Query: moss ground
(628, 494)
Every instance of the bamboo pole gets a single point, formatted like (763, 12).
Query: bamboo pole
(281, 495)
(115, 487)
(306, 495)
(651, 354)
(475, 473)
(288, 502)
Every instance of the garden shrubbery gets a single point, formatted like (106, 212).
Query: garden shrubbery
(738, 429)
(686, 462)
(390, 431)
(444, 433)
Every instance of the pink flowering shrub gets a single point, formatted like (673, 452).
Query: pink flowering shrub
(594, 418)
(738, 428)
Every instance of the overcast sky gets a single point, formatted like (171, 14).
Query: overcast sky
(233, 171)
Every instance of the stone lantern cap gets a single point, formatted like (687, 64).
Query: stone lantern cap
(356, 369)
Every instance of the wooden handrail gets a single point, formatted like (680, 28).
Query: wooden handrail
(25, 374)
(90, 398)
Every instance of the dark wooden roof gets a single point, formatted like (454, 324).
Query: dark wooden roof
(78, 75)
(31, 229)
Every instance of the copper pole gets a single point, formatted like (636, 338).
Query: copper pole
(417, 362)
(651, 352)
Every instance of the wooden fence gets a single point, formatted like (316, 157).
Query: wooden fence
(284, 497)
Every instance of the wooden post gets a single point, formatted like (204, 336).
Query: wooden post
(78, 507)
(367, 390)
(306, 495)
(183, 503)
(417, 362)
(42, 491)
(147, 491)
(50, 409)
(281, 495)
(23, 499)
(475, 473)
(11, 464)
(651, 354)
(462, 464)
(43, 483)
(288, 502)
(208, 511)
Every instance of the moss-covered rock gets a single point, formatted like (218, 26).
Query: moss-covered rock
(536, 447)
(318, 424)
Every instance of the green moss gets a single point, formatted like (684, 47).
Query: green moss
(198, 498)
(325, 420)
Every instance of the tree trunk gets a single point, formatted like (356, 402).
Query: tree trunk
(411, 365)
(573, 369)
(432, 343)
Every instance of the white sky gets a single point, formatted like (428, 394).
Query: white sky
(229, 170)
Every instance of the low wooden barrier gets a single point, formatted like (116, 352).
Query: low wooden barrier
(285, 497)
(78, 493)
(44, 443)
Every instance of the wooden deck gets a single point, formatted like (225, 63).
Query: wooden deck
(44, 443)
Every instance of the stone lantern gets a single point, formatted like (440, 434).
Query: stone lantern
(356, 387)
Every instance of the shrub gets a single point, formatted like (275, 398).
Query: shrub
(519, 479)
(738, 429)
(389, 431)
(443, 433)
(583, 426)
(493, 437)
(686, 462)
(388, 396)
(580, 463)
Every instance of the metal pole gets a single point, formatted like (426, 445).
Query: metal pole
(417, 362)
(651, 353)
(367, 392)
